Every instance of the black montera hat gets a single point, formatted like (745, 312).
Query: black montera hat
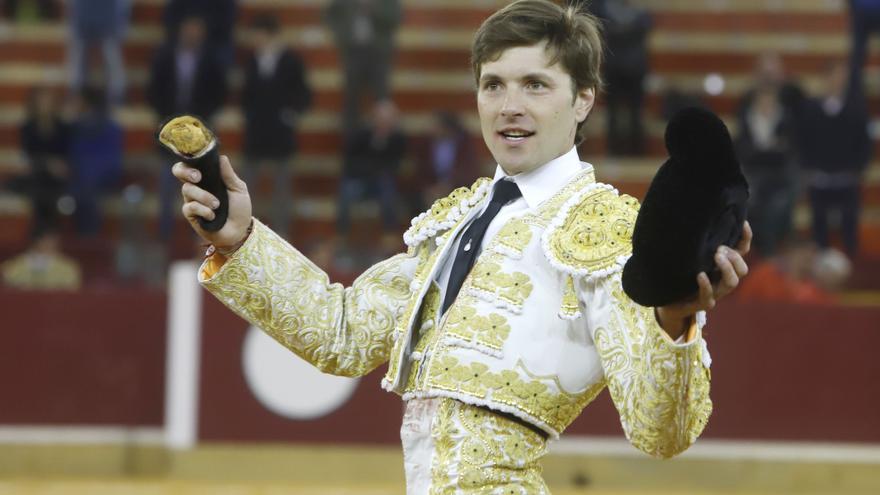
(696, 202)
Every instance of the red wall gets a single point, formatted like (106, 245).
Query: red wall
(780, 372)
(88, 358)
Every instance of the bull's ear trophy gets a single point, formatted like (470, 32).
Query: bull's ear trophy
(193, 143)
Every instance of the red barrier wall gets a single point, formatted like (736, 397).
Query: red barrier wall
(89, 358)
(780, 372)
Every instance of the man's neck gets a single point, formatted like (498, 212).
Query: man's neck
(536, 169)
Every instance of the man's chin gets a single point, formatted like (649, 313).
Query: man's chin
(513, 167)
(515, 161)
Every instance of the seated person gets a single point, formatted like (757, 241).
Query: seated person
(42, 267)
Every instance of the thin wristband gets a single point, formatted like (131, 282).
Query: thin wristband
(228, 250)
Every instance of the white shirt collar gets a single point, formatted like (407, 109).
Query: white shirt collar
(543, 182)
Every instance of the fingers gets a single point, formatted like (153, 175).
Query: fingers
(185, 173)
(232, 181)
(192, 210)
(739, 264)
(707, 293)
(729, 277)
(745, 244)
(192, 192)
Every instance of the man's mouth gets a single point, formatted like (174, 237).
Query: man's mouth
(515, 135)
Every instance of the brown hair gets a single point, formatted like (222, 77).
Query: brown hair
(573, 39)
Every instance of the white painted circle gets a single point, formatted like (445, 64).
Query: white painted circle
(288, 385)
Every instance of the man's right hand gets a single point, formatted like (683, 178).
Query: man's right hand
(200, 203)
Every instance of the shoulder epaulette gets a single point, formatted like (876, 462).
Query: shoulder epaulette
(591, 235)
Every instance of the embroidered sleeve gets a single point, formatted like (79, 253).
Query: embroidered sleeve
(342, 331)
(660, 388)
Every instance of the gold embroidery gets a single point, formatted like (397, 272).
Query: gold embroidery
(513, 238)
(341, 331)
(660, 390)
(445, 213)
(430, 306)
(479, 452)
(550, 208)
(511, 288)
(464, 323)
(426, 261)
(570, 305)
(592, 234)
(557, 409)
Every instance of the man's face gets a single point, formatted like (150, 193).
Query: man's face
(261, 39)
(192, 33)
(527, 112)
(835, 81)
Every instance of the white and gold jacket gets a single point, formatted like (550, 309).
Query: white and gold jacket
(540, 327)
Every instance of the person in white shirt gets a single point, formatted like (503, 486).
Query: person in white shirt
(505, 317)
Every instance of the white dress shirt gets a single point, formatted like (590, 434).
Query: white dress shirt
(536, 187)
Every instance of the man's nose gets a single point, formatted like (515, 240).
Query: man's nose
(512, 105)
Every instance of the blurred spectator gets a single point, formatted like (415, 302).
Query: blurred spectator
(799, 274)
(835, 150)
(372, 158)
(626, 35)
(766, 145)
(42, 266)
(96, 149)
(185, 78)
(218, 17)
(26, 10)
(138, 256)
(864, 19)
(98, 23)
(45, 141)
(275, 94)
(446, 161)
(364, 32)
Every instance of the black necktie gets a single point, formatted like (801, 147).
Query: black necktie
(504, 192)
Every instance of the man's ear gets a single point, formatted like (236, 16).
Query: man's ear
(583, 103)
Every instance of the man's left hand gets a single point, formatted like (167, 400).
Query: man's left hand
(674, 318)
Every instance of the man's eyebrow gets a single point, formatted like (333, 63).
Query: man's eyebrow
(536, 75)
(488, 76)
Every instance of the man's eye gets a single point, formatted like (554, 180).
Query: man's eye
(491, 86)
(536, 85)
